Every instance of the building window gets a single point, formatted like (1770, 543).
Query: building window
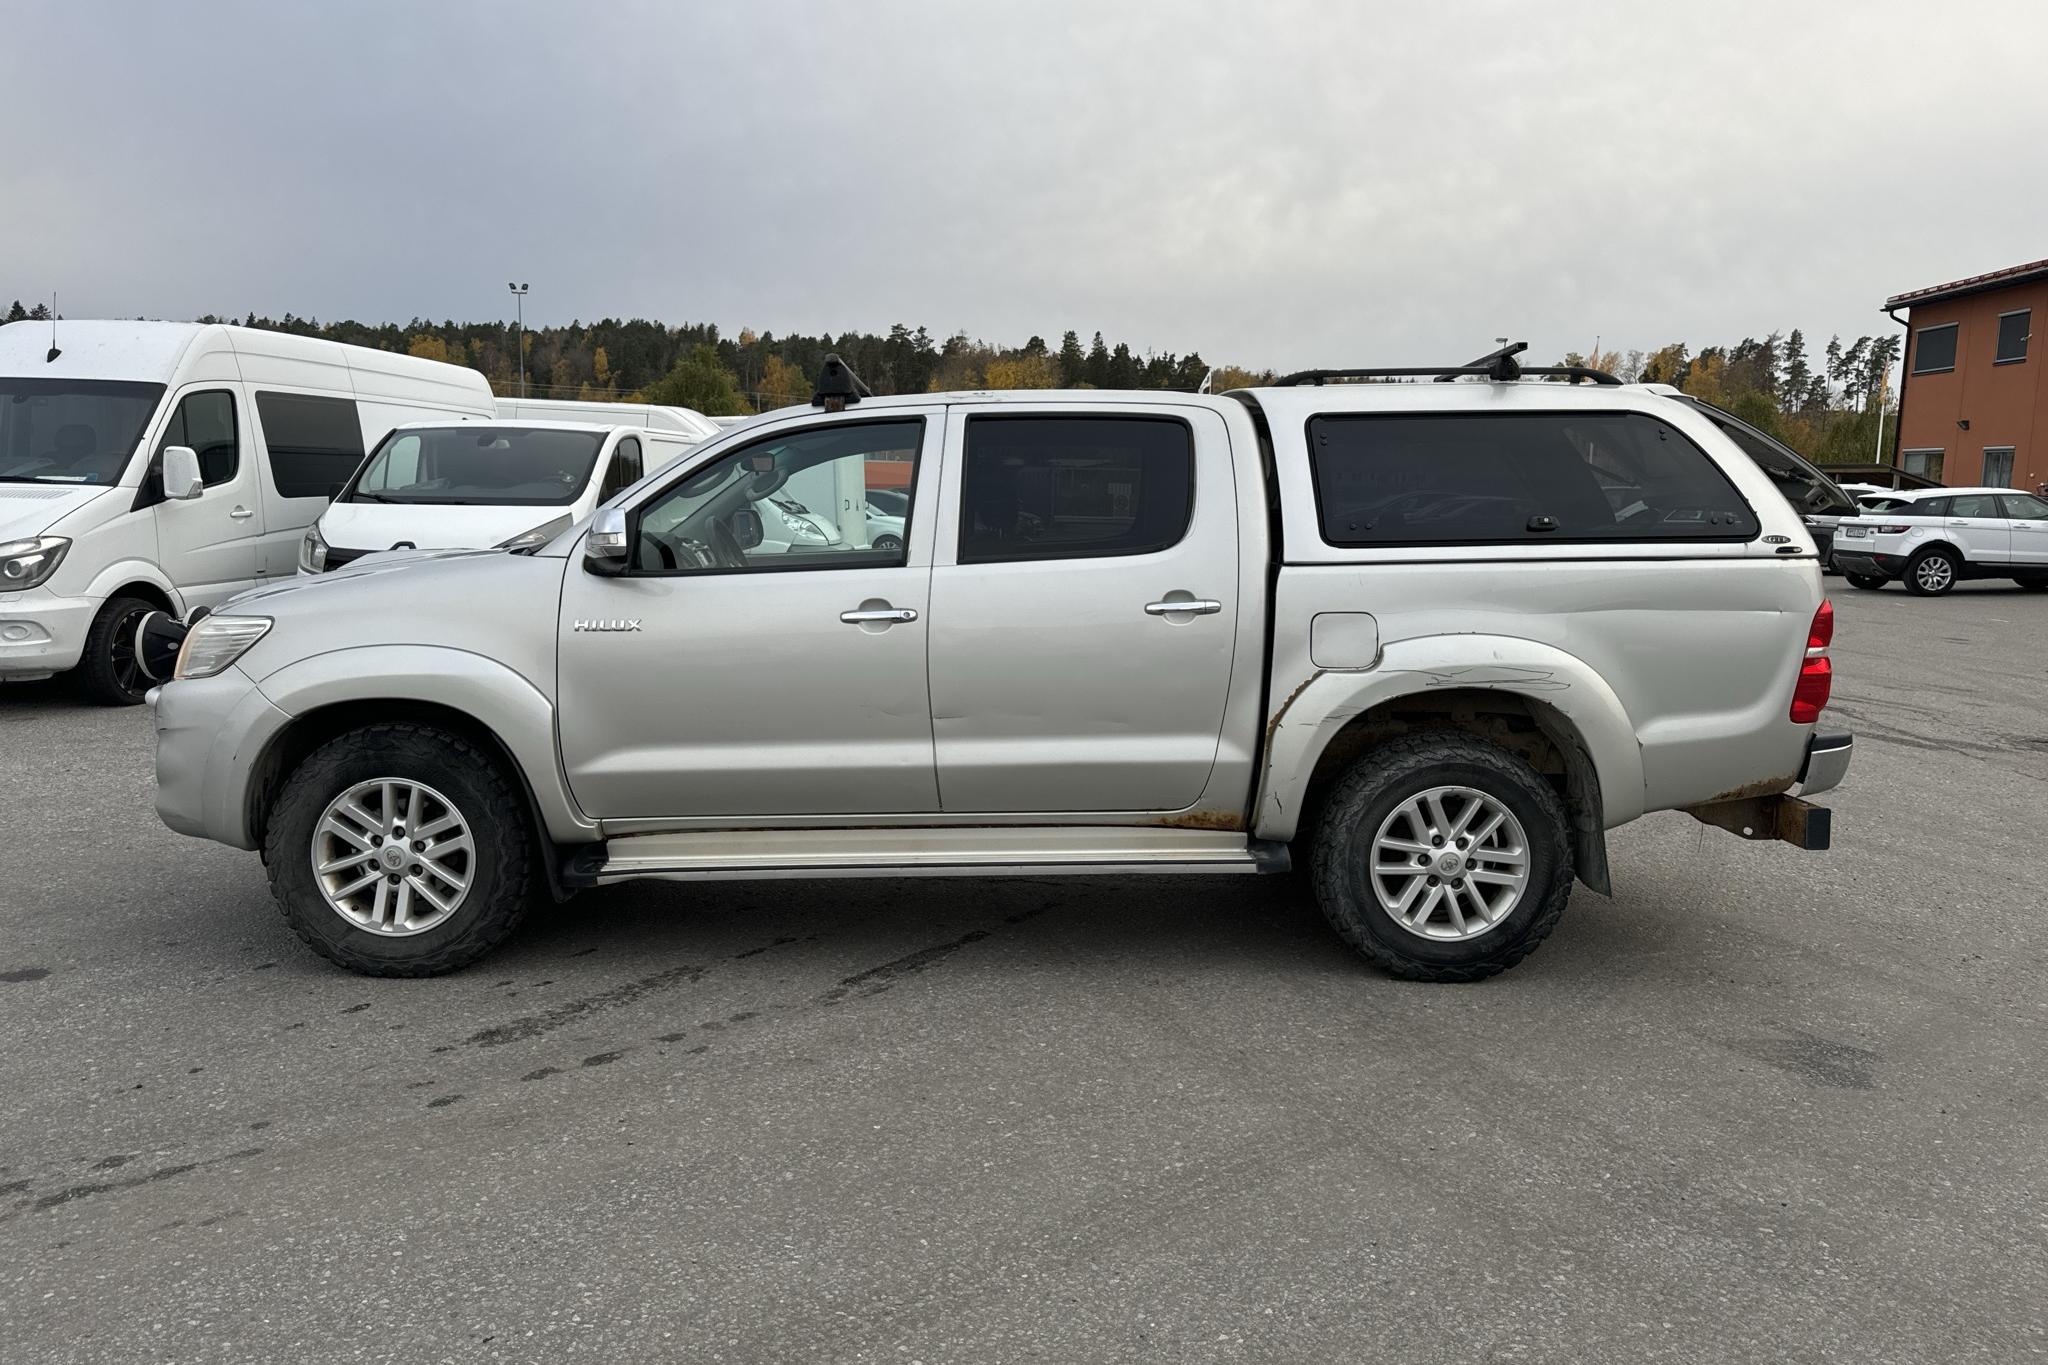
(1925, 463)
(1934, 349)
(2013, 330)
(1998, 466)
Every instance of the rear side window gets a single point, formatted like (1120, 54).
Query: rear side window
(1973, 505)
(315, 443)
(1517, 478)
(1074, 487)
(1806, 488)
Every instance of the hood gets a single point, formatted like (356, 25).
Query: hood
(337, 579)
(29, 509)
(379, 526)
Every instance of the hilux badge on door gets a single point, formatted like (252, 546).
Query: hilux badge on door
(615, 624)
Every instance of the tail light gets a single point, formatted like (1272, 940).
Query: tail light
(1897, 530)
(1816, 675)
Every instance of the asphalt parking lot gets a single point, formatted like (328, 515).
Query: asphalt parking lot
(1762, 1105)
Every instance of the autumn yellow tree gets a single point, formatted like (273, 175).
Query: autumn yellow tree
(1024, 372)
(427, 346)
(782, 384)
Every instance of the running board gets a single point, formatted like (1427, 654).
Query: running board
(932, 851)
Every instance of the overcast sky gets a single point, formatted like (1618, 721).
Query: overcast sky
(1269, 184)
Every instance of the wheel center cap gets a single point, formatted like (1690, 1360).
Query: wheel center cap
(1450, 864)
(393, 856)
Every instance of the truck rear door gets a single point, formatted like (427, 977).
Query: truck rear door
(1084, 606)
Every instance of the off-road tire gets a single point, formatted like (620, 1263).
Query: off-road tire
(1384, 778)
(99, 674)
(1869, 582)
(478, 786)
(1912, 576)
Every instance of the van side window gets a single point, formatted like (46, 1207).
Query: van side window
(1074, 487)
(1517, 478)
(315, 443)
(206, 422)
(625, 470)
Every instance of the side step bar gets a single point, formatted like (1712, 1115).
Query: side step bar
(932, 851)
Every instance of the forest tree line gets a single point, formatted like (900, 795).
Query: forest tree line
(1828, 407)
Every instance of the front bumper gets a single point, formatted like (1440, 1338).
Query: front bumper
(41, 633)
(209, 734)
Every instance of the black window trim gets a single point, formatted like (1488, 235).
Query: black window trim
(1187, 525)
(2025, 337)
(1954, 355)
(1533, 541)
(684, 470)
(151, 491)
(342, 487)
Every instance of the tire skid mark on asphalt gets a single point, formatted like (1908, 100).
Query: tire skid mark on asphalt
(534, 1025)
(97, 1187)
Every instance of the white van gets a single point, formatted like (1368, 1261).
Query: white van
(476, 485)
(163, 465)
(647, 416)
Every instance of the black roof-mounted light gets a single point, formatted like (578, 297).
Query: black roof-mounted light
(838, 387)
(1499, 366)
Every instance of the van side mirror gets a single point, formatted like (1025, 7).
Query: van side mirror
(747, 529)
(182, 481)
(607, 547)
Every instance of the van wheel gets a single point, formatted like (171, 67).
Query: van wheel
(1932, 572)
(1442, 858)
(1869, 582)
(399, 850)
(887, 542)
(107, 671)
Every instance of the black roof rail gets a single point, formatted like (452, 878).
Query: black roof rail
(1500, 366)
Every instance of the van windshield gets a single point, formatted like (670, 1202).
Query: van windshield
(494, 466)
(71, 430)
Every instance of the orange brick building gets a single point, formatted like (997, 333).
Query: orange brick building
(1972, 407)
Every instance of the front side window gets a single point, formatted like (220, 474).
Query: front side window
(1074, 487)
(791, 501)
(315, 443)
(2013, 331)
(205, 422)
(71, 430)
(478, 465)
(1934, 349)
(2024, 506)
(625, 469)
(1517, 478)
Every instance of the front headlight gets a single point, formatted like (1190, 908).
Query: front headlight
(215, 643)
(800, 527)
(29, 563)
(313, 550)
(526, 542)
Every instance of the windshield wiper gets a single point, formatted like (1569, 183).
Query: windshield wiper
(360, 496)
(22, 478)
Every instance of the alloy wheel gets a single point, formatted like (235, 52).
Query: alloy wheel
(393, 857)
(1449, 863)
(1935, 573)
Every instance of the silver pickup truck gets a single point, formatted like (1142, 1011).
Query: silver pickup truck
(1421, 642)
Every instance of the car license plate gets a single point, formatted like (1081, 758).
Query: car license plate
(1855, 532)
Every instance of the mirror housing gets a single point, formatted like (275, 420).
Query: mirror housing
(607, 550)
(747, 529)
(181, 477)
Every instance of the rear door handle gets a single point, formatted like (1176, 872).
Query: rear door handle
(868, 615)
(241, 514)
(1193, 606)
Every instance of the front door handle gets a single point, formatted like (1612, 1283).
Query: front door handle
(241, 514)
(872, 615)
(1191, 606)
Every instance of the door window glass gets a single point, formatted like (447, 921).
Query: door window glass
(1520, 478)
(791, 501)
(315, 443)
(206, 423)
(1973, 505)
(1074, 487)
(2024, 506)
(625, 470)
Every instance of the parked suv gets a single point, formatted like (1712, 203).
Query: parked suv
(1932, 539)
(1424, 642)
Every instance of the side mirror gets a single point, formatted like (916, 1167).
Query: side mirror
(747, 528)
(182, 481)
(607, 548)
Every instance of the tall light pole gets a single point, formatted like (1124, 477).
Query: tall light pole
(519, 331)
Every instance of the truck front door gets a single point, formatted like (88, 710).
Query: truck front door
(1084, 607)
(208, 546)
(715, 679)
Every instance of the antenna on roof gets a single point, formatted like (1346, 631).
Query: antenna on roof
(54, 352)
(1207, 375)
(838, 387)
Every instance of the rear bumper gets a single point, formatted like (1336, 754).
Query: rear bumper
(1827, 763)
(1788, 819)
(1869, 562)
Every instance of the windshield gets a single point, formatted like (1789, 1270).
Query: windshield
(71, 430)
(493, 466)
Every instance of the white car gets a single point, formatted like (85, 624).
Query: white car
(1933, 538)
